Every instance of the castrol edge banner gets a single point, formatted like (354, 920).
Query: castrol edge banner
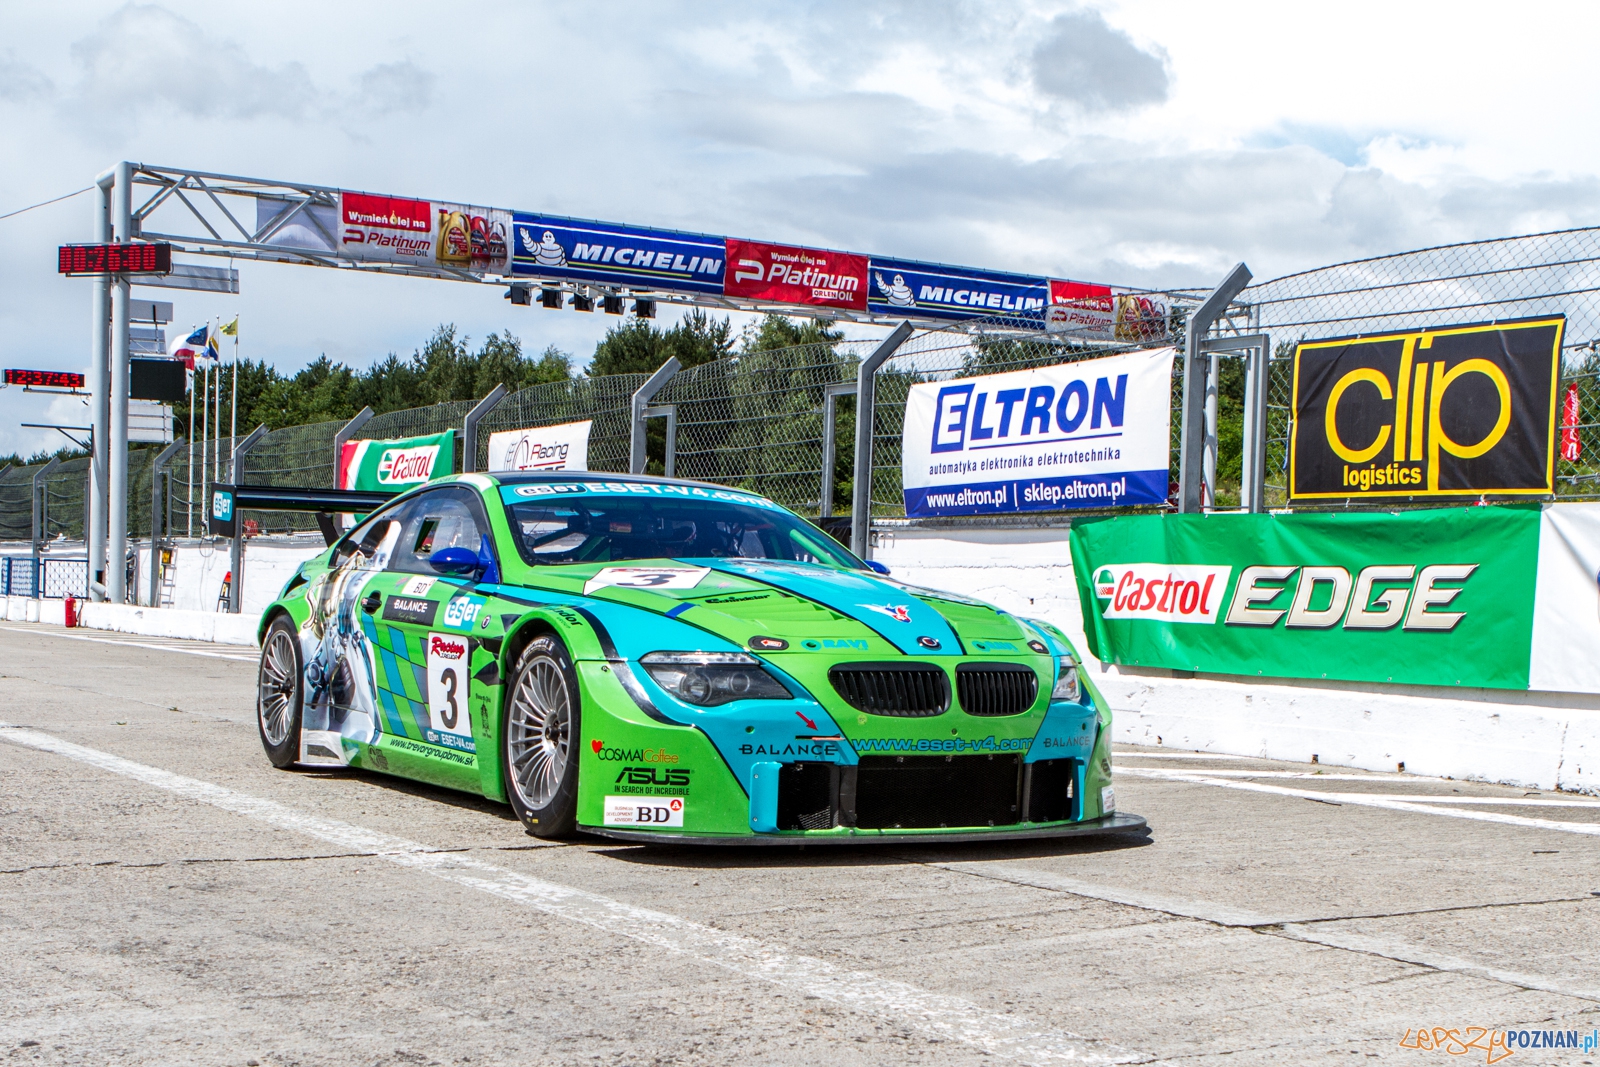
(396, 463)
(424, 233)
(1440, 412)
(1441, 597)
(784, 274)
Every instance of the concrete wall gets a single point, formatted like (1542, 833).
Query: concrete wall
(1543, 740)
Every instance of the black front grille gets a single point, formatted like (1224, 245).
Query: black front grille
(929, 792)
(906, 690)
(1052, 790)
(805, 795)
(996, 688)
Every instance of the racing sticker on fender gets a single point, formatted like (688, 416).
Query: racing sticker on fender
(1161, 592)
(639, 811)
(448, 721)
(646, 578)
(409, 609)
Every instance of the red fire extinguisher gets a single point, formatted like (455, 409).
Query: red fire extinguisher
(71, 611)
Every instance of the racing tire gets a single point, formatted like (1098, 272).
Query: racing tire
(280, 693)
(539, 738)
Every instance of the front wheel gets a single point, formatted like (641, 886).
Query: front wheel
(279, 693)
(538, 748)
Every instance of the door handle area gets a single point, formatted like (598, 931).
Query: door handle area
(370, 604)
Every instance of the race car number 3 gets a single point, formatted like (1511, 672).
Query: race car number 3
(646, 578)
(448, 721)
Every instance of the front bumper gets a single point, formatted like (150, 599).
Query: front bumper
(1116, 823)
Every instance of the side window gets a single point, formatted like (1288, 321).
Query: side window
(365, 536)
(443, 518)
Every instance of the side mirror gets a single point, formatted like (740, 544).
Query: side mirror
(875, 565)
(457, 561)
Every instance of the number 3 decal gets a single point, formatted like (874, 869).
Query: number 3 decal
(448, 723)
(449, 678)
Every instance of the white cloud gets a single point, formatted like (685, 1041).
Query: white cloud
(1088, 63)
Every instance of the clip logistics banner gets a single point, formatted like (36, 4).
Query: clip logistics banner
(1460, 410)
(571, 249)
(396, 463)
(1429, 597)
(564, 447)
(1091, 434)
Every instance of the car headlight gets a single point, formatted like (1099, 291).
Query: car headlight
(1066, 681)
(712, 678)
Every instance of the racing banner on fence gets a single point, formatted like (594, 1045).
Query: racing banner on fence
(1092, 434)
(1101, 313)
(785, 274)
(903, 287)
(396, 463)
(1454, 411)
(1443, 597)
(423, 233)
(564, 447)
(552, 247)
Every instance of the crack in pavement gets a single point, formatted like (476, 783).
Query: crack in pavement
(1225, 915)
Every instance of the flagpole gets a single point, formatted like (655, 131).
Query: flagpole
(205, 411)
(192, 384)
(233, 414)
(216, 454)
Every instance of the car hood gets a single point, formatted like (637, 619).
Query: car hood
(806, 604)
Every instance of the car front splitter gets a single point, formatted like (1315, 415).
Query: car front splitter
(1118, 823)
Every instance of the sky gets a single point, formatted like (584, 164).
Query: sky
(1143, 143)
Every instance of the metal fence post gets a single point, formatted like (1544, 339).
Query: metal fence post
(830, 448)
(41, 504)
(641, 401)
(469, 427)
(236, 559)
(1192, 441)
(94, 529)
(1255, 349)
(347, 431)
(158, 470)
(866, 392)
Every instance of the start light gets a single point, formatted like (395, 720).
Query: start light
(711, 678)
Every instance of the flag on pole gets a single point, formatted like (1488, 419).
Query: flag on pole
(192, 348)
(213, 353)
(230, 329)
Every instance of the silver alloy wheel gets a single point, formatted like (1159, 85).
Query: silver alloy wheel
(276, 688)
(538, 732)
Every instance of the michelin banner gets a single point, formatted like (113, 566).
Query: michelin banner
(1499, 597)
(564, 447)
(397, 463)
(547, 246)
(1091, 434)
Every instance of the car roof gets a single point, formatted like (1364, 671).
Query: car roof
(531, 477)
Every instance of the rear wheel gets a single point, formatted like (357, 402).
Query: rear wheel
(539, 744)
(279, 693)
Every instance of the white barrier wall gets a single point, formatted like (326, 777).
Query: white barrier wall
(1544, 740)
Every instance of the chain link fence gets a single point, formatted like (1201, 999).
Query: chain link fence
(605, 400)
(1476, 281)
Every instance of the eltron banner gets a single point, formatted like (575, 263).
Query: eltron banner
(1455, 411)
(396, 463)
(1092, 434)
(551, 247)
(424, 233)
(1431, 597)
(785, 274)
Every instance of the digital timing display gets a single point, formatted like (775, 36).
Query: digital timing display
(57, 379)
(116, 259)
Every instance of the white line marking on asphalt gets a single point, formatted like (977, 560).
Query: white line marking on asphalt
(135, 644)
(1369, 800)
(1458, 798)
(934, 1014)
(1179, 755)
(1301, 930)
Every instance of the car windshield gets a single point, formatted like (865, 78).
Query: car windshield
(605, 529)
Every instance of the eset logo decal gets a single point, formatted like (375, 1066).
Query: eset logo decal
(1161, 592)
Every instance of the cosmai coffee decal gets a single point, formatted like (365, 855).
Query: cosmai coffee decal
(1448, 412)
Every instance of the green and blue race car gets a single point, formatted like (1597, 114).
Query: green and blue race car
(662, 660)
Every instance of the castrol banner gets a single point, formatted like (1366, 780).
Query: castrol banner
(783, 274)
(1096, 433)
(564, 447)
(396, 463)
(1442, 597)
(423, 233)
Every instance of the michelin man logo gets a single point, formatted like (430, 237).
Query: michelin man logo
(899, 294)
(546, 253)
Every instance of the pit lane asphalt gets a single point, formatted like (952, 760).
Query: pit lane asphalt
(166, 897)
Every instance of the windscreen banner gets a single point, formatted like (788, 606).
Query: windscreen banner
(547, 246)
(564, 447)
(1435, 413)
(904, 287)
(1092, 434)
(423, 233)
(1504, 597)
(397, 463)
(784, 274)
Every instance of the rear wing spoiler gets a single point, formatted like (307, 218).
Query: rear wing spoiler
(228, 500)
